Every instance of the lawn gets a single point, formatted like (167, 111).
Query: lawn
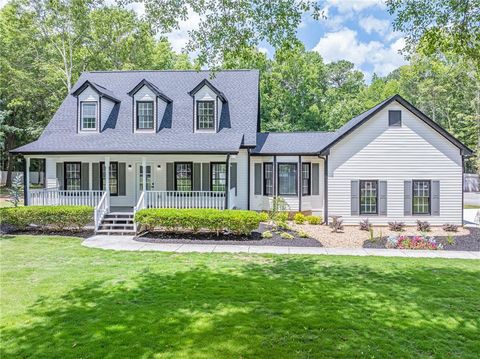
(61, 300)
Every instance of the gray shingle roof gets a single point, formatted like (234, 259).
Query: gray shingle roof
(294, 143)
(237, 126)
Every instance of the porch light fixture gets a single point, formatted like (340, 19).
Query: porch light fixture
(129, 167)
(158, 167)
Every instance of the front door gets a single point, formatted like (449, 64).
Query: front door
(139, 179)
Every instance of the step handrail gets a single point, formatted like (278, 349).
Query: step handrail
(100, 210)
(140, 205)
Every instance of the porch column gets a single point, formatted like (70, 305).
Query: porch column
(107, 179)
(144, 174)
(227, 181)
(26, 181)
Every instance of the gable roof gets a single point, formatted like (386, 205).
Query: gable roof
(359, 120)
(102, 91)
(174, 133)
(207, 83)
(152, 88)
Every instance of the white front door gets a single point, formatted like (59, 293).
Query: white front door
(139, 179)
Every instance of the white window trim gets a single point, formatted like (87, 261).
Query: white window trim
(145, 130)
(97, 117)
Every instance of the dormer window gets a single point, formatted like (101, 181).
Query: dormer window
(88, 115)
(205, 115)
(145, 114)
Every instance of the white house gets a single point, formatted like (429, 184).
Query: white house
(124, 140)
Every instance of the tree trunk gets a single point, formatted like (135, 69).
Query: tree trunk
(10, 144)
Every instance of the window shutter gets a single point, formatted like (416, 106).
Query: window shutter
(122, 185)
(258, 178)
(60, 175)
(96, 176)
(205, 176)
(170, 177)
(407, 198)
(315, 179)
(197, 177)
(382, 198)
(435, 198)
(233, 176)
(354, 200)
(84, 176)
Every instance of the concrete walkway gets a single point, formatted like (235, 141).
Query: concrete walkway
(126, 243)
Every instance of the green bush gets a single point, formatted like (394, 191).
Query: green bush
(56, 217)
(303, 234)
(286, 235)
(264, 217)
(299, 218)
(314, 219)
(236, 221)
(267, 234)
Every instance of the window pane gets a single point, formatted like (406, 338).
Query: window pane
(89, 116)
(72, 176)
(268, 179)
(219, 176)
(306, 179)
(205, 115)
(144, 115)
(183, 173)
(368, 197)
(287, 179)
(421, 197)
(113, 178)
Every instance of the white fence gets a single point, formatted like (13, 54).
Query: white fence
(35, 177)
(189, 199)
(55, 197)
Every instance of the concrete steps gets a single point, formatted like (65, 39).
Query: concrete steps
(117, 223)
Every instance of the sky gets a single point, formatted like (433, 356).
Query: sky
(356, 30)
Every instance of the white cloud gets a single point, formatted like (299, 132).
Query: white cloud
(344, 45)
(179, 37)
(372, 24)
(348, 6)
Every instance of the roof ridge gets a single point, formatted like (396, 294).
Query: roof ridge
(297, 132)
(125, 71)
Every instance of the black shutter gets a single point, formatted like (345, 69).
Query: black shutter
(84, 176)
(170, 177)
(205, 176)
(435, 198)
(60, 175)
(96, 176)
(382, 198)
(354, 199)
(258, 178)
(315, 179)
(233, 177)
(407, 198)
(197, 177)
(122, 180)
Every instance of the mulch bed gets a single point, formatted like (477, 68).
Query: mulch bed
(36, 232)
(470, 242)
(255, 239)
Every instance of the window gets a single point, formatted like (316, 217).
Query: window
(368, 197)
(183, 176)
(145, 115)
(421, 197)
(205, 115)
(113, 177)
(268, 179)
(218, 176)
(72, 175)
(305, 179)
(287, 179)
(395, 118)
(88, 116)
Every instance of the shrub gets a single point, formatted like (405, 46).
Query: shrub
(450, 240)
(263, 216)
(413, 242)
(267, 234)
(315, 220)
(57, 217)
(15, 192)
(214, 220)
(450, 227)
(303, 234)
(299, 218)
(396, 226)
(423, 226)
(365, 225)
(278, 206)
(286, 235)
(336, 224)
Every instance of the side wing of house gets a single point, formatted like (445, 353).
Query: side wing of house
(395, 167)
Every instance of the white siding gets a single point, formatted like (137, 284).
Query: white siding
(395, 154)
(242, 179)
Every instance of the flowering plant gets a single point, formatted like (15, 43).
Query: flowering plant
(413, 242)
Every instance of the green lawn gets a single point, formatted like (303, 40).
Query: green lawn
(61, 300)
(471, 206)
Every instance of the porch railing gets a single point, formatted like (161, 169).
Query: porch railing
(140, 205)
(101, 209)
(56, 197)
(188, 199)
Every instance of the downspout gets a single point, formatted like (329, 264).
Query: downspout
(325, 189)
(299, 179)
(248, 179)
(227, 181)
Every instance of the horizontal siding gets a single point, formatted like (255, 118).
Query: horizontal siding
(396, 154)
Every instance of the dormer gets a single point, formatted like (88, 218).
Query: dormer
(89, 106)
(208, 102)
(145, 106)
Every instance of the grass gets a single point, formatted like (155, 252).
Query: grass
(471, 206)
(61, 300)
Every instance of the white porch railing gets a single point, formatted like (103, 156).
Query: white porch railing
(189, 199)
(101, 209)
(140, 205)
(56, 197)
